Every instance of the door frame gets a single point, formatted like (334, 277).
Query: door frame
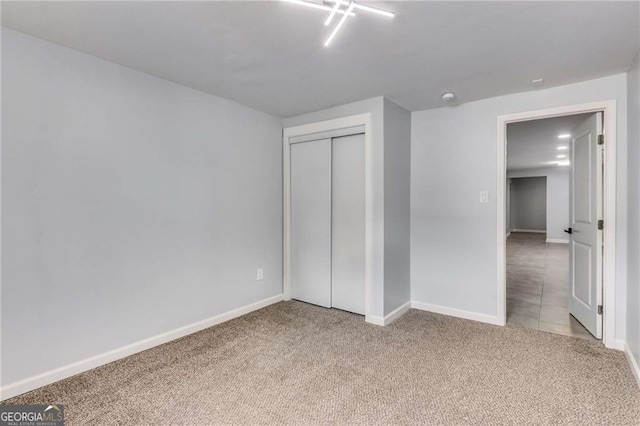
(609, 209)
(319, 127)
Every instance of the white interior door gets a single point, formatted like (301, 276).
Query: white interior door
(348, 225)
(585, 249)
(311, 222)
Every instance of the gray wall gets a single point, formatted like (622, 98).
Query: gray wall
(130, 206)
(397, 190)
(453, 158)
(557, 199)
(529, 203)
(374, 106)
(633, 292)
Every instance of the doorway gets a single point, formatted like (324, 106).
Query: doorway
(549, 279)
(538, 253)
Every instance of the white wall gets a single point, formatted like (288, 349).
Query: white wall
(633, 292)
(131, 206)
(453, 158)
(374, 106)
(557, 199)
(529, 203)
(397, 192)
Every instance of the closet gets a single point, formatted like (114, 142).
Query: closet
(328, 219)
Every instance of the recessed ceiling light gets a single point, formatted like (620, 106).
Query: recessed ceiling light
(563, 148)
(538, 82)
(561, 156)
(564, 135)
(563, 163)
(449, 96)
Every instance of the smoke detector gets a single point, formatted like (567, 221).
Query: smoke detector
(448, 97)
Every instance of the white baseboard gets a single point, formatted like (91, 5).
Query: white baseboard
(52, 376)
(633, 363)
(557, 240)
(390, 317)
(475, 316)
(535, 231)
(618, 345)
(397, 313)
(374, 319)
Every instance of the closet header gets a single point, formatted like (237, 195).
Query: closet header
(347, 131)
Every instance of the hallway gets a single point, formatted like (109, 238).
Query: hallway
(538, 285)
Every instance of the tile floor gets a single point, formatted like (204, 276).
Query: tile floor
(538, 285)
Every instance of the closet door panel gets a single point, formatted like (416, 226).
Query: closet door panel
(348, 224)
(311, 222)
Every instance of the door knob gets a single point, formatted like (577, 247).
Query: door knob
(569, 231)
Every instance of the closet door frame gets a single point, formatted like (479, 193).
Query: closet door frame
(321, 127)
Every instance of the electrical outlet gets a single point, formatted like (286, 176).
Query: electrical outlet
(260, 274)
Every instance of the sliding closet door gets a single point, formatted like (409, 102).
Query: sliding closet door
(347, 245)
(311, 222)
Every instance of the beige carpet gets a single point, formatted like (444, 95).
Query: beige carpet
(295, 363)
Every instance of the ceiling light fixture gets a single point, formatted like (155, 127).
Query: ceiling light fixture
(364, 7)
(561, 156)
(340, 24)
(563, 148)
(335, 8)
(316, 6)
(564, 135)
(564, 163)
(538, 82)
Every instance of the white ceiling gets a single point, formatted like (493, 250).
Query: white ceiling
(269, 55)
(534, 144)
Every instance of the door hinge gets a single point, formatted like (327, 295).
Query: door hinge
(600, 225)
(600, 309)
(600, 139)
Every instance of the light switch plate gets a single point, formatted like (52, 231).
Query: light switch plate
(484, 197)
(260, 274)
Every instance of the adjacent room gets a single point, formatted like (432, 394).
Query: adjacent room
(539, 208)
(315, 212)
